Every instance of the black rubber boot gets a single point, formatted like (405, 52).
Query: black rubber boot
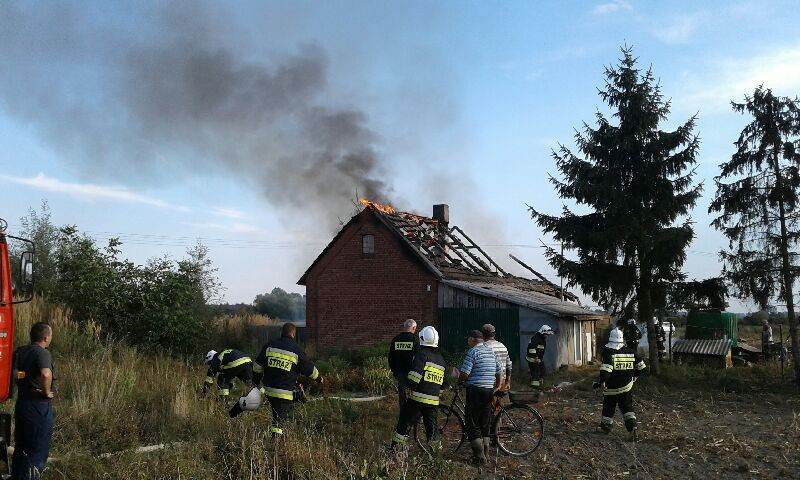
(487, 447)
(235, 410)
(478, 453)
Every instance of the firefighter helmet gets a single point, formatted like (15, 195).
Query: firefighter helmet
(615, 339)
(429, 337)
(210, 355)
(251, 401)
(546, 330)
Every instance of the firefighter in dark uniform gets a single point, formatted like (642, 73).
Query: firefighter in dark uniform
(535, 355)
(227, 365)
(618, 372)
(33, 414)
(278, 365)
(632, 335)
(401, 353)
(425, 382)
(661, 340)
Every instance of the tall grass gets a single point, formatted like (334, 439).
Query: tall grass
(112, 397)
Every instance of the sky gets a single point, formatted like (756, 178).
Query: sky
(252, 127)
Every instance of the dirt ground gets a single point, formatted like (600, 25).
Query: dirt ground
(681, 435)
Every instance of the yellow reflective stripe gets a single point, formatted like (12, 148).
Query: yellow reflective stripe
(257, 368)
(282, 356)
(606, 368)
(276, 430)
(223, 392)
(414, 376)
(223, 353)
(237, 363)
(209, 379)
(397, 438)
(314, 374)
(423, 398)
(616, 391)
(279, 393)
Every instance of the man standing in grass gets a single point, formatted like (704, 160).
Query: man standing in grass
(483, 375)
(33, 413)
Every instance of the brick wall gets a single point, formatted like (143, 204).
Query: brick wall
(356, 300)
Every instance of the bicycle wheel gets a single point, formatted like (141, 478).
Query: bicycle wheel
(450, 428)
(519, 429)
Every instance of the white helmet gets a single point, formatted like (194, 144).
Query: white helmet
(210, 355)
(251, 401)
(429, 337)
(615, 339)
(546, 330)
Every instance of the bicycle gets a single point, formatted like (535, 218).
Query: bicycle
(516, 428)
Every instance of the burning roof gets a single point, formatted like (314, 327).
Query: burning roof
(453, 255)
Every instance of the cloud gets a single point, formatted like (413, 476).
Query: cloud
(677, 30)
(90, 191)
(612, 7)
(228, 213)
(731, 79)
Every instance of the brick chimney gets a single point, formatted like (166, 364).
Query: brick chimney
(441, 213)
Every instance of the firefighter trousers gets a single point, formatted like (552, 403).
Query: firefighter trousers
(281, 411)
(625, 403)
(225, 378)
(537, 372)
(409, 416)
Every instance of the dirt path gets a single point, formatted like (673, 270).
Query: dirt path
(681, 435)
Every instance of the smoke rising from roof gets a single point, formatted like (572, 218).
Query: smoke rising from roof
(164, 95)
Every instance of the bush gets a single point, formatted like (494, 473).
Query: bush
(163, 303)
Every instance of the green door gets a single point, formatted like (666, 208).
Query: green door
(455, 323)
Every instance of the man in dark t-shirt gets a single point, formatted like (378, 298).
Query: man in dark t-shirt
(33, 415)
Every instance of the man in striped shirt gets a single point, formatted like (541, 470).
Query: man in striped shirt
(500, 351)
(482, 375)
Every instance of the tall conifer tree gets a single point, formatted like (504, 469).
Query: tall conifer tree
(759, 206)
(633, 180)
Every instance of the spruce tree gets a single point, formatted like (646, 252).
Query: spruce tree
(757, 198)
(633, 180)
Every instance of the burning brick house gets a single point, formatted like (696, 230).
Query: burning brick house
(385, 266)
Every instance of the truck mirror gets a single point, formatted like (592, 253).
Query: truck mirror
(26, 272)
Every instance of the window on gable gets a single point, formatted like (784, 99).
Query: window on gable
(368, 244)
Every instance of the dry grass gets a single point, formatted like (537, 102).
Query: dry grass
(112, 397)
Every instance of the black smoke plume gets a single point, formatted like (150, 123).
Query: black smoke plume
(161, 95)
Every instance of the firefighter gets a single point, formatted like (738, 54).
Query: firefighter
(227, 365)
(425, 381)
(535, 356)
(619, 370)
(661, 339)
(278, 365)
(632, 334)
(401, 353)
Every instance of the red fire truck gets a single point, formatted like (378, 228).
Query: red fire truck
(11, 293)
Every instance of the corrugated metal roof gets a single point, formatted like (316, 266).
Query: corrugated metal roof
(526, 298)
(702, 347)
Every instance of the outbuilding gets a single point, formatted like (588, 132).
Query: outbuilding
(385, 266)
